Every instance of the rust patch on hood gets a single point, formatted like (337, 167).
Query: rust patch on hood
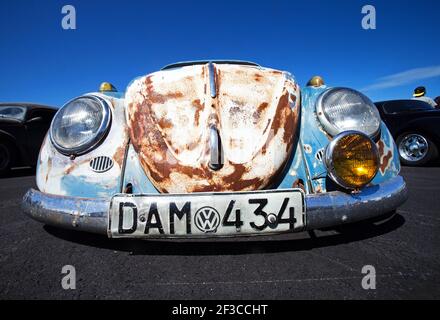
(165, 123)
(299, 183)
(263, 106)
(169, 126)
(199, 107)
(119, 155)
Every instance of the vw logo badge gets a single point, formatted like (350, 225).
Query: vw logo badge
(207, 219)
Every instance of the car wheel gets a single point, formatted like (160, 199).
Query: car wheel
(6, 156)
(415, 149)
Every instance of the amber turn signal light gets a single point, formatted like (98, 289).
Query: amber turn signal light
(352, 159)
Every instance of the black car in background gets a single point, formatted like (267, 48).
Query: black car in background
(415, 126)
(22, 130)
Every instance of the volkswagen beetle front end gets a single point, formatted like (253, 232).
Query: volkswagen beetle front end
(215, 148)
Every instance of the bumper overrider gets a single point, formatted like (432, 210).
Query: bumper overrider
(320, 210)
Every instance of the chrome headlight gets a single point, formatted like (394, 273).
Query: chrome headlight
(343, 109)
(80, 125)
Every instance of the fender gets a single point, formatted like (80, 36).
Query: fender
(6, 136)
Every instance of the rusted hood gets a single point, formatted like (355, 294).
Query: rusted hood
(254, 110)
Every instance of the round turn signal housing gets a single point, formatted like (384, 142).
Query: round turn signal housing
(107, 87)
(352, 159)
(315, 81)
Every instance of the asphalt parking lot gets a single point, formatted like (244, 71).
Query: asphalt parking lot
(404, 250)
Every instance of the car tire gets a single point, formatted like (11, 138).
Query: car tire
(7, 156)
(416, 149)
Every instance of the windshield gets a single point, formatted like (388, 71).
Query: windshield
(406, 106)
(12, 112)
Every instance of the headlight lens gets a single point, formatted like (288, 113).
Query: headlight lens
(352, 159)
(80, 125)
(342, 109)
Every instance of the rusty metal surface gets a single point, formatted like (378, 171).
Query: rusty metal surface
(255, 110)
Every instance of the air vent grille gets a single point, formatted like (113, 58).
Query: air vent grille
(320, 154)
(101, 164)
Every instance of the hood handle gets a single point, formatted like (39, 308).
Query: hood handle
(215, 146)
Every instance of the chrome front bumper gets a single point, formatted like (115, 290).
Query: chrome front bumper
(322, 210)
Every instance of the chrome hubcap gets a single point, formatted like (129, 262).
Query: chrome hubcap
(413, 147)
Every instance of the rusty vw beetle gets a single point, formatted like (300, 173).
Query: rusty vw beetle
(215, 148)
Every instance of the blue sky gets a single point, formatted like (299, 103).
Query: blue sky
(117, 41)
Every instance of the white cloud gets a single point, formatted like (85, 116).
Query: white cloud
(404, 77)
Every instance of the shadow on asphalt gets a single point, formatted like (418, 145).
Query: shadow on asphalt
(231, 246)
(432, 164)
(18, 172)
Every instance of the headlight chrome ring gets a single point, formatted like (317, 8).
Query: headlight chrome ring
(343, 109)
(95, 137)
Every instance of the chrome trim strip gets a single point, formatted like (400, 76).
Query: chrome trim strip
(307, 171)
(212, 84)
(215, 162)
(322, 210)
(124, 165)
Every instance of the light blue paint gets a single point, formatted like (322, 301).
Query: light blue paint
(78, 186)
(135, 175)
(313, 137)
(117, 95)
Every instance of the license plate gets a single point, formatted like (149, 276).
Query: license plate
(206, 214)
